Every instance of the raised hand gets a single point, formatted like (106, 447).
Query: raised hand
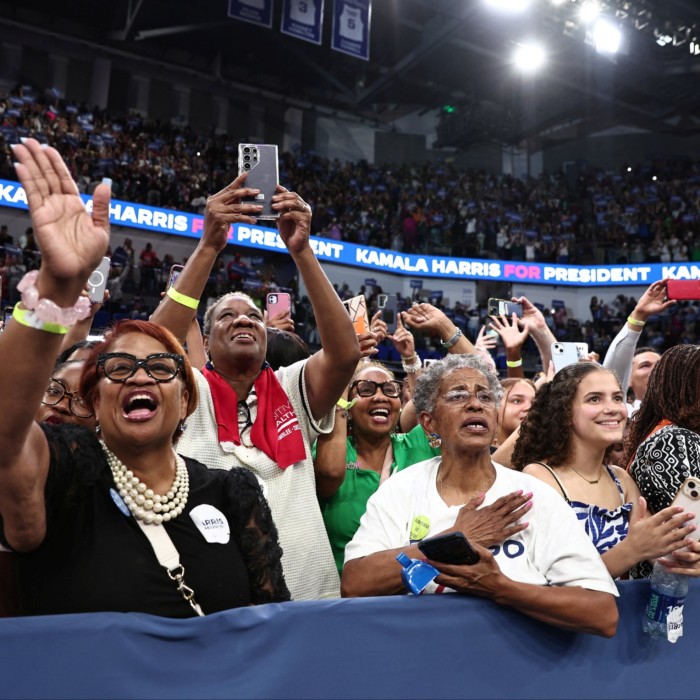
(512, 336)
(484, 342)
(294, 223)
(72, 241)
(653, 301)
(227, 207)
(403, 340)
(368, 344)
(378, 327)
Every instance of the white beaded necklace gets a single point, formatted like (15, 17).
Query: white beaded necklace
(143, 503)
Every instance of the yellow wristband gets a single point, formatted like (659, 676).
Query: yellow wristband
(634, 322)
(346, 405)
(28, 318)
(183, 299)
(514, 363)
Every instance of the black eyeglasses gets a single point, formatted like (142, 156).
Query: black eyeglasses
(120, 366)
(366, 387)
(57, 391)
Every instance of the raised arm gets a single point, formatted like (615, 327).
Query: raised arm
(223, 209)
(513, 339)
(534, 321)
(621, 351)
(426, 317)
(329, 370)
(72, 242)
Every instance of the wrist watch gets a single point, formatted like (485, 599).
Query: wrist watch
(447, 344)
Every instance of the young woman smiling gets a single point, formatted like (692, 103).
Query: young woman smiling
(571, 423)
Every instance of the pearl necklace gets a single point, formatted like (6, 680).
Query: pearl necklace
(144, 504)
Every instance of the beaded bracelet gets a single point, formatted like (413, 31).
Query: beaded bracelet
(411, 366)
(189, 302)
(635, 322)
(48, 311)
(514, 363)
(30, 319)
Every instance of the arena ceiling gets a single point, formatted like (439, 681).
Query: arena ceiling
(424, 54)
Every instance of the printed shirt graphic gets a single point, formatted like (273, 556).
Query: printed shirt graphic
(553, 550)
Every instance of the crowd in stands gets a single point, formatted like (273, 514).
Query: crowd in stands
(637, 213)
(229, 412)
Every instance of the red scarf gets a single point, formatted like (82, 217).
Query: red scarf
(276, 430)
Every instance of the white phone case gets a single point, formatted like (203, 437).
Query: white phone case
(565, 354)
(688, 498)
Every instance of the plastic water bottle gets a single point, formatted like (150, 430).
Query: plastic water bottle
(664, 614)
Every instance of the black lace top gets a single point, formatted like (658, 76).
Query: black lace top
(95, 558)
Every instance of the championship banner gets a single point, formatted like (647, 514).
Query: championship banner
(254, 11)
(303, 19)
(351, 22)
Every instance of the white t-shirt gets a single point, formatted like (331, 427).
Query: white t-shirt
(553, 550)
(309, 567)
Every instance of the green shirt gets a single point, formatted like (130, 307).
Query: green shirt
(342, 512)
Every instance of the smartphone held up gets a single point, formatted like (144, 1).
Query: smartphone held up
(261, 163)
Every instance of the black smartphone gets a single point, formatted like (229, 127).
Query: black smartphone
(388, 304)
(498, 307)
(450, 548)
(8, 315)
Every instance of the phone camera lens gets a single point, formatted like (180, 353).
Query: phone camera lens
(246, 158)
(246, 149)
(246, 166)
(694, 494)
(691, 484)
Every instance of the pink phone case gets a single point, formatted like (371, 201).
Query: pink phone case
(277, 303)
(684, 290)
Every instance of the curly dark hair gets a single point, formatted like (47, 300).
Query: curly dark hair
(546, 432)
(673, 393)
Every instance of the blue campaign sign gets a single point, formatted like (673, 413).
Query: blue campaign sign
(371, 282)
(253, 11)
(303, 19)
(351, 24)
(168, 221)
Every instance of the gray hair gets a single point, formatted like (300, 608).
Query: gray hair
(428, 383)
(212, 309)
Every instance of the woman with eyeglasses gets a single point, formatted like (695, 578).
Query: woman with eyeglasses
(363, 451)
(113, 521)
(62, 402)
(544, 566)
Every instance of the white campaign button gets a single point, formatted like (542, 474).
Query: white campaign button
(212, 523)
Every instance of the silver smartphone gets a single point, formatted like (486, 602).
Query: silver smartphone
(388, 303)
(565, 354)
(97, 283)
(261, 164)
